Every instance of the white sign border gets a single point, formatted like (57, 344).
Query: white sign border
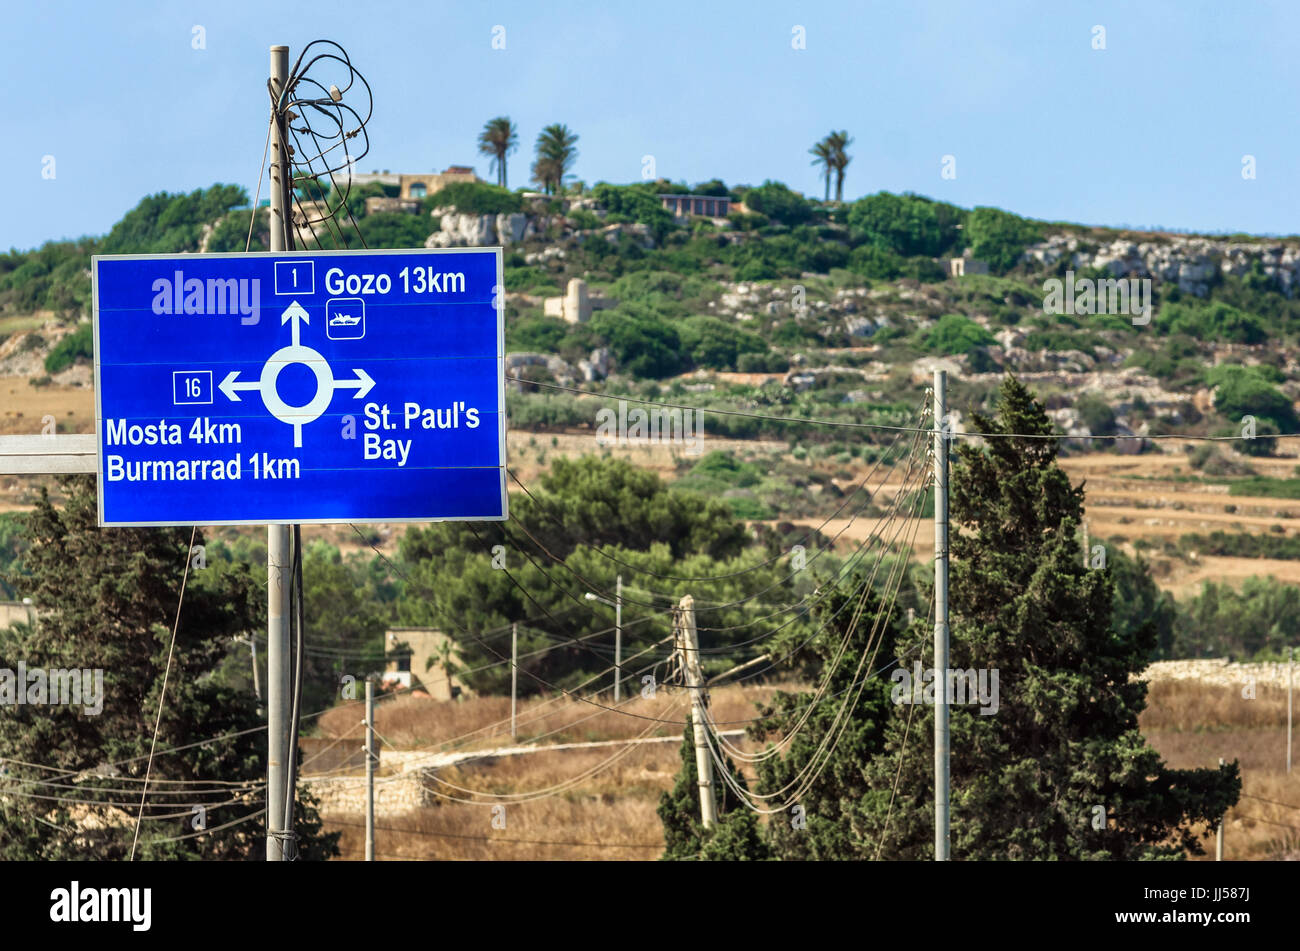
(498, 292)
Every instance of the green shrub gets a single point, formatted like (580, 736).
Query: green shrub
(999, 238)
(906, 224)
(393, 229)
(770, 362)
(533, 279)
(1207, 458)
(1266, 486)
(168, 223)
(876, 263)
(955, 334)
(715, 344)
(80, 344)
(778, 203)
(714, 188)
(542, 334)
(1211, 321)
(476, 198)
(584, 220)
(639, 203)
(643, 344)
(1096, 414)
(747, 508)
(1244, 391)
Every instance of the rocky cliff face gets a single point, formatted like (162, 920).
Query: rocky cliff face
(1191, 263)
(477, 231)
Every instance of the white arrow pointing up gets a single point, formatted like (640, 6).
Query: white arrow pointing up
(295, 312)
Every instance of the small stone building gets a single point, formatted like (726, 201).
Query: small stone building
(960, 267)
(577, 305)
(415, 662)
(420, 186)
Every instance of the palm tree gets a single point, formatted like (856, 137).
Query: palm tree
(555, 156)
(498, 139)
(825, 157)
(838, 142)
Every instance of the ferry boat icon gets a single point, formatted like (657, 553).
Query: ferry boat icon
(345, 318)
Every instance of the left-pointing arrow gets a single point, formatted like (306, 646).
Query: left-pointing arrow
(230, 384)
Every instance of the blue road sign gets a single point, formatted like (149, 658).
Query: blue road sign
(326, 386)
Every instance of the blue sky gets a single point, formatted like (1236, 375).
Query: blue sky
(1150, 131)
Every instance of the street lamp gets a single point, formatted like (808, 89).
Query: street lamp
(617, 605)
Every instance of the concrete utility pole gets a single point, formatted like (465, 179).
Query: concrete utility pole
(941, 841)
(514, 676)
(277, 536)
(618, 637)
(1290, 684)
(370, 770)
(617, 605)
(1218, 836)
(689, 644)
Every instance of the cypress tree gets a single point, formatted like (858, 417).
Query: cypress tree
(737, 835)
(1059, 770)
(106, 599)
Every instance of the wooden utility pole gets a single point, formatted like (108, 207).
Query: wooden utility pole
(618, 637)
(370, 770)
(688, 643)
(1218, 836)
(514, 676)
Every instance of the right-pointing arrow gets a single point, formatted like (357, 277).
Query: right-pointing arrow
(361, 384)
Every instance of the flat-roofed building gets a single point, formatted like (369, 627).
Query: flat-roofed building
(415, 661)
(708, 206)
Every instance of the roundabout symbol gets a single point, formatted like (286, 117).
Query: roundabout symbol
(326, 385)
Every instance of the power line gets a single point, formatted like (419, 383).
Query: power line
(162, 697)
(835, 731)
(704, 605)
(810, 534)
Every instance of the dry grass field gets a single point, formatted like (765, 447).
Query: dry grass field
(1194, 724)
(23, 406)
(411, 723)
(610, 814)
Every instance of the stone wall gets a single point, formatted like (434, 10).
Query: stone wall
(1219, 671)
(394, 795)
